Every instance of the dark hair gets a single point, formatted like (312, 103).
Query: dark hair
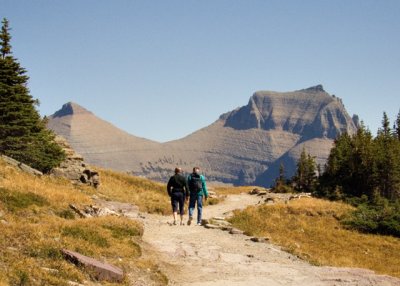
(195, 168)
(177, 170)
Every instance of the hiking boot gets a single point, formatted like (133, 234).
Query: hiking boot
(199, 223)
(174, 222)
(190, 220)
(182, 223)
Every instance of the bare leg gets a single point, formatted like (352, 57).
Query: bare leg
(175, 214)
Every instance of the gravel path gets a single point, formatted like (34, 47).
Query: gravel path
(194, 255)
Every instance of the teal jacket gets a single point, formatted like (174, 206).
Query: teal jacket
(203, 191)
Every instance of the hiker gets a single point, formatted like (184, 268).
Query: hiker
(178, 191)
(198, 191)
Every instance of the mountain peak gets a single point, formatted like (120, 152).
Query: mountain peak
(317, 88)
(70, 108)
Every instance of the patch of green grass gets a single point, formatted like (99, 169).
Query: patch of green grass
(121, 232)
(45, 252)
(86, 234)
(14, 200)
(67, 214)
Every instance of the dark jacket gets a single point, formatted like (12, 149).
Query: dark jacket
(177, 183)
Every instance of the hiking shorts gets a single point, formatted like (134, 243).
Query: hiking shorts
(178, 201)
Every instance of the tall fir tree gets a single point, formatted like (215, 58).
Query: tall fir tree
(387, 162)
(397, 128)
(23, 134)
(305, 177)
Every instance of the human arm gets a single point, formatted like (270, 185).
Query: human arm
(204, 186)
(169, 186)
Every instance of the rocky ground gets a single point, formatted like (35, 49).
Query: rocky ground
(195, 255)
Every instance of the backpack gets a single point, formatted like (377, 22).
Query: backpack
(195, 183)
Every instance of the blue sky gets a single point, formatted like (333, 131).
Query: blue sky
(163, 69)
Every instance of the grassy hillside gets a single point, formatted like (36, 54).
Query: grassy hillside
(311, 229)
(36, 223)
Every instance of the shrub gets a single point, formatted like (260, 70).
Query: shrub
(379, 218)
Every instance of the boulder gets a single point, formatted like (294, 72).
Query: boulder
(21, 166)
(100, 271)
(74, 168)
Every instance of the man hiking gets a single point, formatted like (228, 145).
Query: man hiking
(198, 190)
(178, 191)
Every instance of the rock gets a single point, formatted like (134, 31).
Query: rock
(269, 200)
(218, 218)
(21, 166)
(100, 271)
(259, 239)
(82, 214)
(3, 222)
(221, 222)
(93, 211)
(226, 228)
(74, 168)
(211, 226)
(262, 193)
(205, 221)
(255, 191)
(51, 270)
(212, 194)
(235, 231)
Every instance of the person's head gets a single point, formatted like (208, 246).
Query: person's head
(178, 170)
(196, 170)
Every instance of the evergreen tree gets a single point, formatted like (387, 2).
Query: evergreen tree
(281, 173)
(305, 177)
(385, 130)
(397, 128)
(387, 162)
(23, 134)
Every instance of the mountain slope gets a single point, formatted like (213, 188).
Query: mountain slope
(243, 146)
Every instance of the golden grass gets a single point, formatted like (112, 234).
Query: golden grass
(36, 223)
(310, 229)
(149, 196)
(233, 190)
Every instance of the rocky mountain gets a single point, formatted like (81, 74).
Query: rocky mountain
(244, 146)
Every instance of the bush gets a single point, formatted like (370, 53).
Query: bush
(376, 217)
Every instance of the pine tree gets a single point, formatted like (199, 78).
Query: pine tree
(397, 128)
(305, 177)
(387, 162)
(385, 130)
(23, 134)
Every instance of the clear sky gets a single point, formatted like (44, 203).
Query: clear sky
(163, 69)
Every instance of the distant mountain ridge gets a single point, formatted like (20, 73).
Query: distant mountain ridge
(244, 146)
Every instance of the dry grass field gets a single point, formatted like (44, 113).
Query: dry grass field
(310, 228)
(36, 223)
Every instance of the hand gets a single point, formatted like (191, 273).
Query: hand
(205, 198)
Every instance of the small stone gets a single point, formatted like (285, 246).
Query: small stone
(235, 231)
(258, 239)
(51, 270)
(205, 221)
(211, 226)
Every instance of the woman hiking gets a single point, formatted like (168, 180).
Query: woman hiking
(178, 191)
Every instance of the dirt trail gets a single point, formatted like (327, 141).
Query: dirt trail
(194, 255)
